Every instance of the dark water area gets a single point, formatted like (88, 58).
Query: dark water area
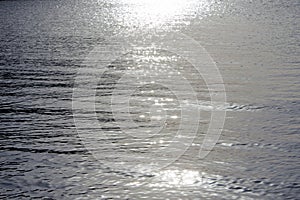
(44, 153)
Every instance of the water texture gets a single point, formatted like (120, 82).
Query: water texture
(43, 154)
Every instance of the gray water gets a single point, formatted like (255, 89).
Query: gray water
(44, 154)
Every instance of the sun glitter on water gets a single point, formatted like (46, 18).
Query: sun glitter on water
(155, 13)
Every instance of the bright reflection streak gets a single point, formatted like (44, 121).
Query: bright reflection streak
(153, 13)
(159, 8)
(179, 178)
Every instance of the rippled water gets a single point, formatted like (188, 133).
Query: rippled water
(44, 46)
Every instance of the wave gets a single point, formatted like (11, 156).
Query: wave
(217, 106)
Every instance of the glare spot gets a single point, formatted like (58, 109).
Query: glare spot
(179, 178)
(154, 13)
(156, 117)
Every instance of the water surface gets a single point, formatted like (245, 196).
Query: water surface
(255, 45)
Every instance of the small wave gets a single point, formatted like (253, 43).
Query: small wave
(32, 150)
(216, 106)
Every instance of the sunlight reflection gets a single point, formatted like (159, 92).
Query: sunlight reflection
(179, 178)
(153, 13)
